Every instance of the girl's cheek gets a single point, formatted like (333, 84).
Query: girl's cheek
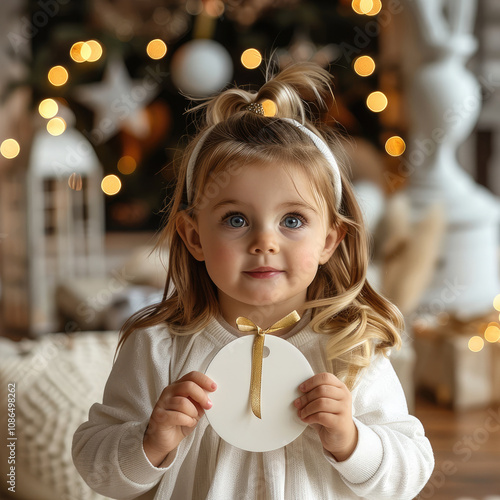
(226, 252)
(308, 261)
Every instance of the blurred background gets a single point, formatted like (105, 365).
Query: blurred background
(93, 101)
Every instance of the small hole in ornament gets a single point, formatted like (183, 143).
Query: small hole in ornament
(266, 351)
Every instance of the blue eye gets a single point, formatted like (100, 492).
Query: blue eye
(292, 222)
(236, 221)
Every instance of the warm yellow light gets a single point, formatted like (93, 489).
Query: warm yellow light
(127, 165)
(376, 101)
(75, 182)
(48, 108)
(156, 49)
(76, 52)
(58, 75)
(365, 6)
(111, 185)
(496, 302)
(269, 107)
(376, 8)
(9, 148)
(251, 58)
(476, 343)
(86, 51)
(56, 126)
(492, 334)
(364, 66)
(395, 146)
(356, 7)
(95, 49)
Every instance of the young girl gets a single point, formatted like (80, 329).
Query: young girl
(263, 222)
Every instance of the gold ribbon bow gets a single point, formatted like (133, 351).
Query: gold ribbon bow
(247, 325)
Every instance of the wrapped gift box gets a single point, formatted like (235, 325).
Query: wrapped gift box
(446, 366)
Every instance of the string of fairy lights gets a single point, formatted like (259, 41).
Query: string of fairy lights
(80, 52)
(84, 52)
(490, 333)
(365, 66)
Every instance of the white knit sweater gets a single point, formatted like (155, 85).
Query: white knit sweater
(393, 458)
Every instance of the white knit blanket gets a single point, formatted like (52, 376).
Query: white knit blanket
(57, 378)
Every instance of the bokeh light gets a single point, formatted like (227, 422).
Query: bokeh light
(476, 343)
(364, 6)
(95, 50)
(496, 302)
(376, 101)
(56, 126)
(269, 107)
(356, 7)
(48, 108)
(76, 52)
(9, 148)
(194, 7)
(376, 8)
(127, 165)
(111, 185)
(58, 75)
(75, 182)
(492, 333)
(156, 48)
(85, 51)
(364, 66)
(395, 146)
(214, 8)
(251, 58)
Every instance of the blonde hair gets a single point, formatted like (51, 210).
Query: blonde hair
(344, 306)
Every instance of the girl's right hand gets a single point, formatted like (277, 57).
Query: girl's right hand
(175, 415)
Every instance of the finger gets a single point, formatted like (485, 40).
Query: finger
(191, 390)
(324, 378)
(183, 405)
(172, 418)
(322, 391)
(200, 379)
(322, 405)
(327, 420)
(175, 418)
(199, 408)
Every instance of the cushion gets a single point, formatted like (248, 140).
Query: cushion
(57, 378)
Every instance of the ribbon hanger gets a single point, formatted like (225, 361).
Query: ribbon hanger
(247, 325)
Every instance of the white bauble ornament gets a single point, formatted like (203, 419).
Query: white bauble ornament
(201, 68)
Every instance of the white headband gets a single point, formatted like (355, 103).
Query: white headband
(318, 142)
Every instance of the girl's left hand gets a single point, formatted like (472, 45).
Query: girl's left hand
(327, 406)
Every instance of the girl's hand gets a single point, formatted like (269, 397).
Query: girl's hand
(327, 406)
(175, 415)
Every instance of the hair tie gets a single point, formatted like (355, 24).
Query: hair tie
(255, 107)
(318, 142)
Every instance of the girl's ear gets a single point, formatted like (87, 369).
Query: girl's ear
(187, 228)
(333, 238)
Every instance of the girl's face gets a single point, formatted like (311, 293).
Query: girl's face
(262, 238)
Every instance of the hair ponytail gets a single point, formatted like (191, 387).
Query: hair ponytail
(294, 91)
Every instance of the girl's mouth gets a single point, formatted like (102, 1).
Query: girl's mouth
(263, 272)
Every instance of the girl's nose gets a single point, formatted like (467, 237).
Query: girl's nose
(264, 242)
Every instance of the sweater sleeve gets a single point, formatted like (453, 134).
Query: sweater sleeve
(393, 457)
(107, 449)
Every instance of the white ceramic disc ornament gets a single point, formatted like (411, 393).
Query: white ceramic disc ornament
(284, 368)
